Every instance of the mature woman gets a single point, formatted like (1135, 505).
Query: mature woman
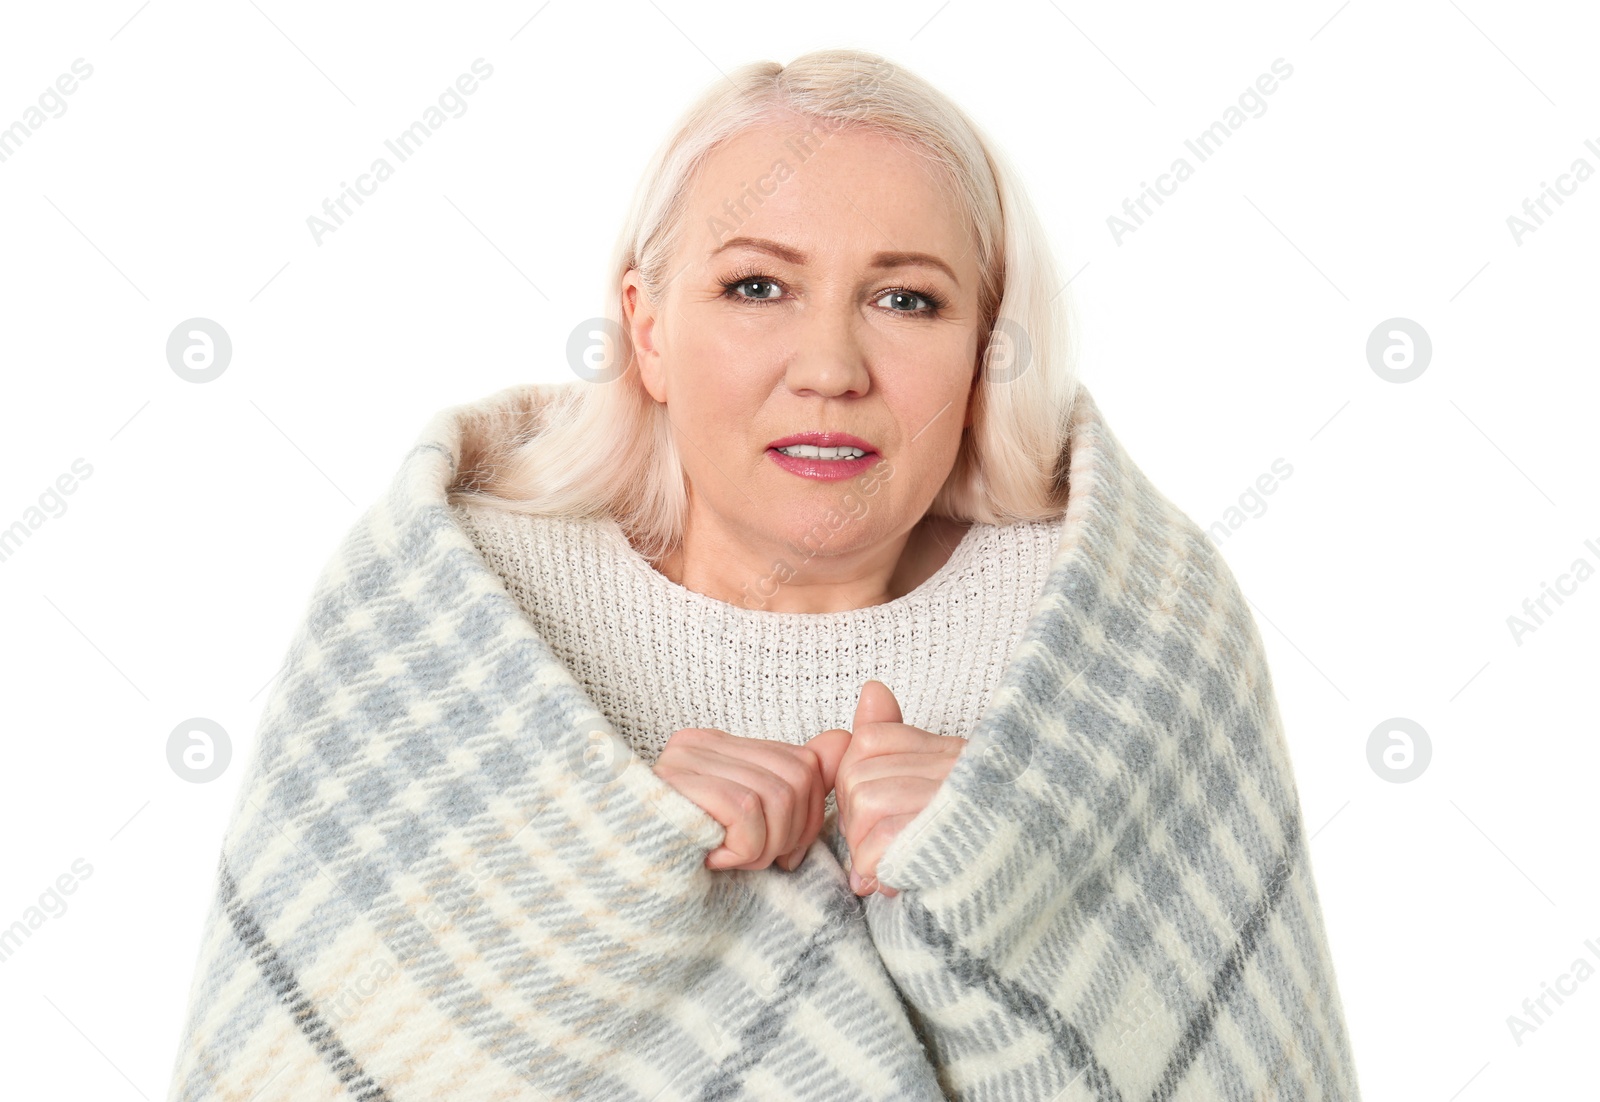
(828, 581)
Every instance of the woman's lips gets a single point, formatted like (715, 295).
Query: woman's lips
(823, 440)
(823, 470)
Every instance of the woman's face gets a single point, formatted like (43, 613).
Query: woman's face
(823, 282)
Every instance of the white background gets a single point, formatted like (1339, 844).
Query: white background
(1228, 331)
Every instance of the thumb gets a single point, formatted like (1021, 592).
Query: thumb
(876, 705)
(830, 747)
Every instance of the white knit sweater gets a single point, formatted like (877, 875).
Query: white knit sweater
(655, 656)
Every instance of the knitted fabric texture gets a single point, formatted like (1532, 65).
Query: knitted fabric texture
(694, 661)
(445, 877)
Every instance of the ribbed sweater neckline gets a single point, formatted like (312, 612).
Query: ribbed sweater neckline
(941, 579)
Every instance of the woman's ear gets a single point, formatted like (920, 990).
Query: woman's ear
(639, 315)
(972, 392)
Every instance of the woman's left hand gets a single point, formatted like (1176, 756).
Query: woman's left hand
(886, 779)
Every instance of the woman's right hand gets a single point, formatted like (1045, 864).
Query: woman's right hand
(768, 794)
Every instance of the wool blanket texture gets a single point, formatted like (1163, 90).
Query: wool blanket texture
(446, 877)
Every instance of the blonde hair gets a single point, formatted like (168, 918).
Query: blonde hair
(605, 447)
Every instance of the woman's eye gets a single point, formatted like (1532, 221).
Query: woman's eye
(904, 297)
(745, 283)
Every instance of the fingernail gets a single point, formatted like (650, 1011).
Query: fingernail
(855, 881)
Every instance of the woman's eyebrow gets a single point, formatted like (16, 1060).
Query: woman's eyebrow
(897, 259)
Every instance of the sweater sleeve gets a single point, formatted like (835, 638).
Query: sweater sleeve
(1110, 895)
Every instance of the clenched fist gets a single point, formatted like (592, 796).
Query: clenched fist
(888, 776)
(768, 794)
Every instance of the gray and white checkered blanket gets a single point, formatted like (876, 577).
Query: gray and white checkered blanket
(446, 878)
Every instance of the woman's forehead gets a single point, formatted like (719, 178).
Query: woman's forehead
(852, 192)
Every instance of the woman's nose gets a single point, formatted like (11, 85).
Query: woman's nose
(829, 357)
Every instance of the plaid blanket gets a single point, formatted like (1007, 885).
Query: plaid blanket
(446, 877)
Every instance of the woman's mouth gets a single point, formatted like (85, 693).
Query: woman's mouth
(825, 457)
